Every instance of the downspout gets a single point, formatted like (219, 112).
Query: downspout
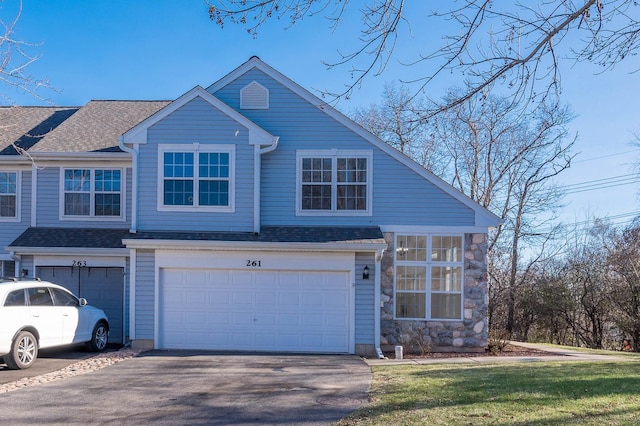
(134, 182)
(18, 268)
(257, 173)
(378, 303)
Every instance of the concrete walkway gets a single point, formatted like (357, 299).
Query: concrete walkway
(555, 354)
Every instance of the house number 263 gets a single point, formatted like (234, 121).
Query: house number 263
(253, 263)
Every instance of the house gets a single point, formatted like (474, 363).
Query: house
(248, 215)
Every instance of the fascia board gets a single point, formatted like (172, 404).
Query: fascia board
(61, 251)
(88, 156)
(483, 217)
(138, 134)
(256, 246)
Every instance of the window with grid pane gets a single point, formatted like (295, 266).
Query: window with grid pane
(196, 177)
(317, 176)
(8, 194)
(334, 182)
(429, 273)
(92, 192)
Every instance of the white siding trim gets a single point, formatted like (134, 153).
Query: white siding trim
(449, 229)
(133, 271)
(34, 195)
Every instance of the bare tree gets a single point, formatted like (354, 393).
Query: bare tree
(505, 161)
(520, 44)
(396, 120)
(624, 259)
(16, 55)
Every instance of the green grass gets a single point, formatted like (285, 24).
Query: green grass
(541, 393)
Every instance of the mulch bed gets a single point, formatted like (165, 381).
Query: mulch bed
(508, 350)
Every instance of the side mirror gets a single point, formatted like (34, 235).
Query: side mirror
(83, 301)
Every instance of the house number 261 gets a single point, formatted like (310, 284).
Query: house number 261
(253, 263)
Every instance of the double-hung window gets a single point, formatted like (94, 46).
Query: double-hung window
(196, 177)
(334, 182)
(8, 195)
(92, 193)
(429, 274)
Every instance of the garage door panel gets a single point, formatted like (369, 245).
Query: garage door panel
(301, 311)
(103, 287)
(242, 298)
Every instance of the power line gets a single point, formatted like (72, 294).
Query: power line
(609, 182)
(615, 154)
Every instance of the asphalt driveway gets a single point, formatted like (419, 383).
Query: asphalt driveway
(195, 387)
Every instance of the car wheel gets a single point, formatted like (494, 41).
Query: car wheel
(99, 338)
(24, 351)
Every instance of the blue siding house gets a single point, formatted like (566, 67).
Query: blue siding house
(248, 215)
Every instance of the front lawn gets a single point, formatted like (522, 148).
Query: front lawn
(540, 393)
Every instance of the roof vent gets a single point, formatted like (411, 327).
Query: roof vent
(254, 96)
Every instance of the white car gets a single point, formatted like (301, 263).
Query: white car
(38, 314)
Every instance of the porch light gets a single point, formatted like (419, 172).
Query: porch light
(365, 273)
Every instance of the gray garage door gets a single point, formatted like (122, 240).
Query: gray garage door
(102, 287)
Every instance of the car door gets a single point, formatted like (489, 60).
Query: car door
(45, 316)
(14, 315)
(75, 321)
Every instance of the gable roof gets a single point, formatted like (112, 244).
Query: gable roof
(24, 127)
(138, 133)
(484, 217)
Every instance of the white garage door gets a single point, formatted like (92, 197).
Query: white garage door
(295, 311)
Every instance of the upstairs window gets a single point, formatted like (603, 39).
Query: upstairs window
(196, 177)
(92, 193)
(334, 182)
(8, 195)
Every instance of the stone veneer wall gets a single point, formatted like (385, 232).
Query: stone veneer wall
(468, 335)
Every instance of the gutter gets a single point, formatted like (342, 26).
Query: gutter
(257, 173)
(134, 182)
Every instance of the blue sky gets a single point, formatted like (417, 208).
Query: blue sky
(160, 49)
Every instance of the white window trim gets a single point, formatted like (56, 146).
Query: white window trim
(428, 264)
(92, 216)
(197, 148)
(18, 216)
(334, 154)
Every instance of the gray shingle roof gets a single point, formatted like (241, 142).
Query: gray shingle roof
(26, 126)
(277, 234)
(97, 125)
(71, 237)
(112, 238)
